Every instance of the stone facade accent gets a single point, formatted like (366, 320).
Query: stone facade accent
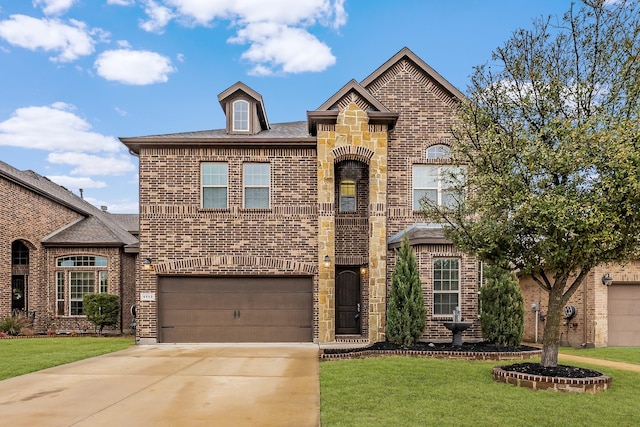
(352, 138)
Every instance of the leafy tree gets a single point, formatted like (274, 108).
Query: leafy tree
(101, 309)
(551, 142)
(502, 315)
(406, 314)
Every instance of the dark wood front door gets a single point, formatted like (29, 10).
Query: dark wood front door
(347, 300)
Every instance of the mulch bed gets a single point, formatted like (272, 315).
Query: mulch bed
(558, 371)
(480, 347)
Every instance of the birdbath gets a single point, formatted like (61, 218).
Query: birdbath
(456, 329)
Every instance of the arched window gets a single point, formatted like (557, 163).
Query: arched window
(347, 195)
(19, 253)
(438, 152)
(241, 116)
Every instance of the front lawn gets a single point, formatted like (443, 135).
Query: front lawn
(407, 391)
(617, 354)
(24, 355)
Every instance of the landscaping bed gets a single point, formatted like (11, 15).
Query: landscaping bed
(472, 351)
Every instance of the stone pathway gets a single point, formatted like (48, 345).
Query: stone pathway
(563, 358)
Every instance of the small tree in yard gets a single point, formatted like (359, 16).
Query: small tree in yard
(406, 314)
(502, 315)
(101, 309)
(550, 139)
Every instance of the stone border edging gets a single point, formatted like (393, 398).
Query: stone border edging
(590, 385)
(468, 355)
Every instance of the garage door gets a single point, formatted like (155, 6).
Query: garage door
(624, 315)
(214, 309)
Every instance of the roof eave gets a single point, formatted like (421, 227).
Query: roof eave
(135, 144)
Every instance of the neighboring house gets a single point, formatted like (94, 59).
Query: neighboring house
(287, 231)
(604, 311)
(55, 248)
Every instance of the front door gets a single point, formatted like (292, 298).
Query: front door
(18, 294)
(347, 300)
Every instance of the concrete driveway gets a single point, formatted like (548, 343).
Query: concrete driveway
(172, 385)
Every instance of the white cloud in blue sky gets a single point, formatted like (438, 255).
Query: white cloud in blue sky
(68, 40)
(54, 7)
(134, 67)
(278, 32)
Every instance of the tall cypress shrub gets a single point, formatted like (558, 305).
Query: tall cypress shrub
(406, 314)
(502, 308)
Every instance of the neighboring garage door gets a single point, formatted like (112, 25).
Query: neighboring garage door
(234, 309)
(624, 315)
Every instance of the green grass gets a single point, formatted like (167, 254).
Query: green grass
(406, 391)
(617, 354)
(21, 356)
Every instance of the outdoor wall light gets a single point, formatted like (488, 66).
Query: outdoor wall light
(363, 270)
(147, 265)
(327, 261)
(607, 279)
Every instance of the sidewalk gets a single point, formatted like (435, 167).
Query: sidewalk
(598, 362)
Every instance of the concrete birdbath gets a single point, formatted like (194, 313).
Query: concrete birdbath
(456, 329)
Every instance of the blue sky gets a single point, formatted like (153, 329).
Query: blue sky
(77, 74)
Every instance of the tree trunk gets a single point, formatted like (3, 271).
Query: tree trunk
(551, 336)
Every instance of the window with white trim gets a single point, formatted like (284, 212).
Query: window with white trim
(215, 183)
(256, 185)
(83, 274)
(347, 195)
(438, 152)
(436, 183)
(446, 286)
(241, 116)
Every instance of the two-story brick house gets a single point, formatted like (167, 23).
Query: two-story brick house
(287, 231)
(55, 248)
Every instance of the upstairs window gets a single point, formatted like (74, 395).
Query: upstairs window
(435, 183)
(241, 116)
(19, 253)
(257, 181)
(438, 152)
(215, 182)
(347, 195)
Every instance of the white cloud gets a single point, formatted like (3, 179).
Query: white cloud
(293, 50)
(277, 32)
(51, 35)
(91, 165)
(76, 182)
(159, 17)
(53, 128)
(120, 111)
(134, 67)
(121, 2)
(54, 7)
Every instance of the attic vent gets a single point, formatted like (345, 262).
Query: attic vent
(103, 208)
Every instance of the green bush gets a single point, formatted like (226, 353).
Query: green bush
(502, 308)
(12, 325)
(101, 309)
(406, 314)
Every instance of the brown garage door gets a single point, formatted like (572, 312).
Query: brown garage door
(215, 309)
(624, 315)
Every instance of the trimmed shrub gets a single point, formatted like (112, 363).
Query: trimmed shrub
(406, 314)
(101, 309)
(12, 325)
(502, 308)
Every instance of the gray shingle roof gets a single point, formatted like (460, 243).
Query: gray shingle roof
(277, 130)
(96, 228)
(421, 233)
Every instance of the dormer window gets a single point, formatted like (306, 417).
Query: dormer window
(241, 116)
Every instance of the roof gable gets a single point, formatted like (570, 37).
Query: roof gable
(405, 54)
(353, 92)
